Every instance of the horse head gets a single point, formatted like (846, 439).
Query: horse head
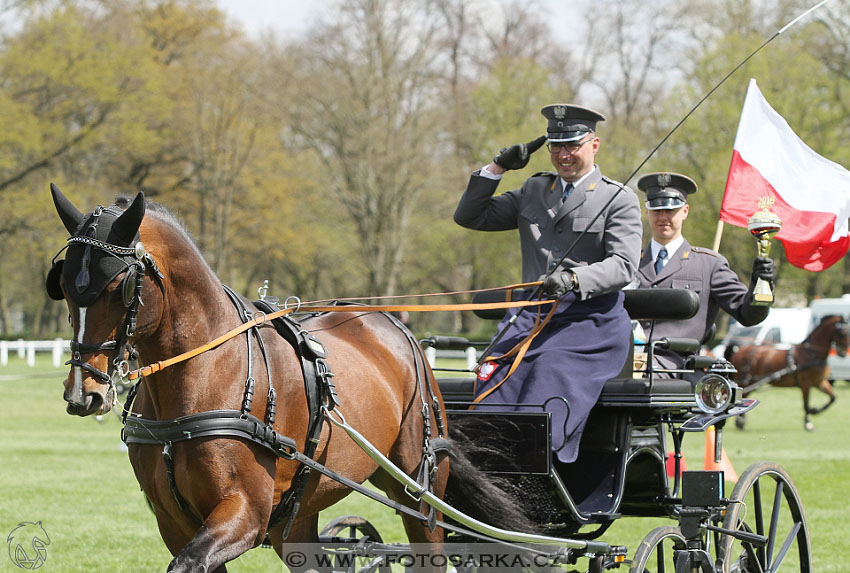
(841, 336)
(101, 279)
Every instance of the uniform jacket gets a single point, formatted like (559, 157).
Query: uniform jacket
(708, 274)
(604, 260)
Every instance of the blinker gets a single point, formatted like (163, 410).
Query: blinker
(51, 282)
(128, 287)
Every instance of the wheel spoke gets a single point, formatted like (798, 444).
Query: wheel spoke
(759, 517)
(774, 523)
(786, 546)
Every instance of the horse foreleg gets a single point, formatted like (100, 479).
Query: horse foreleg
(807, 423)
(232, 528)
(826, 388)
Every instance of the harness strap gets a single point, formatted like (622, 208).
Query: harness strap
(248, 396)
(259, 320)
(214, 423)
(317, 387)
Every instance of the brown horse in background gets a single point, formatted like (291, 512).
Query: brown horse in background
(213, 496)
(803, 365)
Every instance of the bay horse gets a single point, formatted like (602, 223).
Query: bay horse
(803, 365)
(138, 288)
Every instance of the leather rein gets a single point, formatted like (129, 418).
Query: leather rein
(262, 318)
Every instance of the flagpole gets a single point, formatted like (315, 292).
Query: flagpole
(717, 234)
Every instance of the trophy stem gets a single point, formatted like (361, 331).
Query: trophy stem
(763, 225)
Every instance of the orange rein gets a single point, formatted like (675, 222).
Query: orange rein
(261, 318)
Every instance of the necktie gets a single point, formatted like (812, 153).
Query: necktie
(659, 261)
(567, 190)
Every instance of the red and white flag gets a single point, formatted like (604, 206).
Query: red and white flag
(811, 193)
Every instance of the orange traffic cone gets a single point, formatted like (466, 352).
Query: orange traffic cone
(725, 465)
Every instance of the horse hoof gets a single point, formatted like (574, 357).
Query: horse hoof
(810, 427)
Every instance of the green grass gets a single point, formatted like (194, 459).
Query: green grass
(72, 475)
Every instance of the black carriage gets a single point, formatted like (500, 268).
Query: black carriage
(633, 435)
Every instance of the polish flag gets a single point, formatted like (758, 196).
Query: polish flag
(811, 193)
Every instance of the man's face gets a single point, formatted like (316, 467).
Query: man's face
(666, 224)
(574, 159)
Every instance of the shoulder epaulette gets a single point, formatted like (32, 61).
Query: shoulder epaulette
(542, 173)
(704, 251)
(615, 183)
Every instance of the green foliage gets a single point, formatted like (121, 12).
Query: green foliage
(331, 164)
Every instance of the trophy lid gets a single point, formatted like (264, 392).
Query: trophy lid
(764, 221)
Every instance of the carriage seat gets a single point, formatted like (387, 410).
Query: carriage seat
(640, 303)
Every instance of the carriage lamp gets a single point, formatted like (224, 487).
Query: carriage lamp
(763, 225)
(714, 393)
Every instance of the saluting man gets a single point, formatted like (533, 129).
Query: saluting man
(669, 261)
(586, 341)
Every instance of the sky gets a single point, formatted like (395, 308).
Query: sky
(279, 15)
(294, 16)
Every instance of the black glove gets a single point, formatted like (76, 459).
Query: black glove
(763, 268)
(558, 284)
(517, 156)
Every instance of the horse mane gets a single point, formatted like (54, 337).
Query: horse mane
(165, 215)
(123, 201)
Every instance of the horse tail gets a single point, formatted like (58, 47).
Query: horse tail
(480, 495)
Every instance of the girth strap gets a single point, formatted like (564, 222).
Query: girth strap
(320, 391)
(215, 423)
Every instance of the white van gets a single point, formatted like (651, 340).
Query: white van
(782, 328)
(839, 368)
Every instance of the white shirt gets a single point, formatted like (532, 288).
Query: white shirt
(672, 247)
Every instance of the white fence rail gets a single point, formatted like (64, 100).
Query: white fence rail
(28, 348)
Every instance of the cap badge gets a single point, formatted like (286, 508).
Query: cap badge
(664, 180)
(560, 112)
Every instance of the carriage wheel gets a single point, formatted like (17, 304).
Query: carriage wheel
(766, 502)
(354, 529)
(655, 552)
(358, 529)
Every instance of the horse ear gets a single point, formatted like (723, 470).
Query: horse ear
(127, 224)
(70, 215)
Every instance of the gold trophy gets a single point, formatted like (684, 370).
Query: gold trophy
(763, 225)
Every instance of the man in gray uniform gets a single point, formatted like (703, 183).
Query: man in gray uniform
(586, 341)
(669, 261)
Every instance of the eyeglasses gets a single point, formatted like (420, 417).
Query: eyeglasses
(568, 146)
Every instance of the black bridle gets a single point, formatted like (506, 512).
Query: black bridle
(137, 261)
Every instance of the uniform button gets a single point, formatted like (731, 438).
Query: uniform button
(557, 249)
(654, 286)
(559, 229)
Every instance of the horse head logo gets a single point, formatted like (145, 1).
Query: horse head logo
(28, 545)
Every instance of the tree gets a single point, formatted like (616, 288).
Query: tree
(368, 107)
